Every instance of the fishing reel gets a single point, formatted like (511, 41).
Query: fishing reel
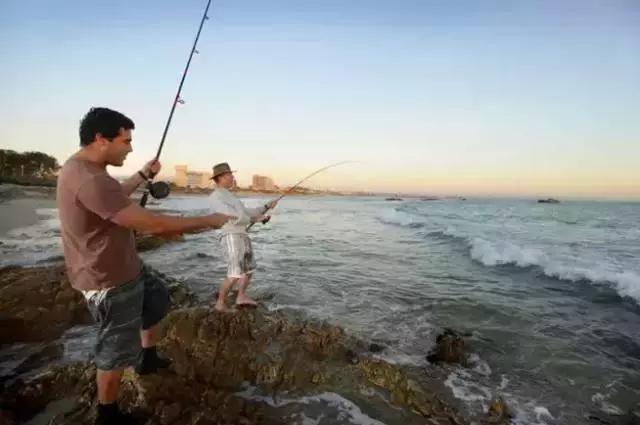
(159, 190)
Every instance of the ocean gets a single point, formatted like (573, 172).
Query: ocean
(549, 293)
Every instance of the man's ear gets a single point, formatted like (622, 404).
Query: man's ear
(100, 141)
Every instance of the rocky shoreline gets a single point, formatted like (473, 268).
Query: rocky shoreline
(215, 358)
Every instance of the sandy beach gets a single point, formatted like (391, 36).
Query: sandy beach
(18, 205)
(19, 213)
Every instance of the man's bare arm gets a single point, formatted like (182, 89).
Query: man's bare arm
(131, 184)
(135, 217)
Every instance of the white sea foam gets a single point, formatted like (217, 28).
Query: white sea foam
(493, 253)
(464, 387)
(401, 218)
(602, 401)
(33, 244)
(542, 413)
(349, 411)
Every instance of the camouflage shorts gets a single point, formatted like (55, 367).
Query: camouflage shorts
(120, 313)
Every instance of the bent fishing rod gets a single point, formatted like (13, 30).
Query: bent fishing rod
(295, 186)
(160, 190)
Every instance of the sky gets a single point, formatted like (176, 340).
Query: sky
(474, 98)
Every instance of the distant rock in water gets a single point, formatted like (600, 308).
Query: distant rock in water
(393, 199)
(548, 201)
(450, 348)
(374, 347)
(498, 413)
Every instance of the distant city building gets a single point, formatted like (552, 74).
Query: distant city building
(180, 178)
(191, 179)
(263, 183)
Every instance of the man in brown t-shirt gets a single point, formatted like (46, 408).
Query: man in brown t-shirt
(97, 222)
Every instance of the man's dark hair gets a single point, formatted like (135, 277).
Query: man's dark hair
(105, 121)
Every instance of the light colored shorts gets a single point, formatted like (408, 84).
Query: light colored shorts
(239, 254)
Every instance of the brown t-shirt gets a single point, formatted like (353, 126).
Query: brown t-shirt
(98, 253)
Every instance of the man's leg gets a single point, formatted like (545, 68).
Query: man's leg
(148, 359)
(108, 385)
(149, 337)
(117, 313)
(154, 309)
(243, 298)
(225, 286)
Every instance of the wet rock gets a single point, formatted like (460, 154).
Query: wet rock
(498, 413)
(38, 304)
(215, 355)
(374, 347)
(45, 355)
(7, 417)
(276, 353)
(406, 392)
(155, 400)
(352, 357)
(450, 348)
(180, 295)
(24, 399)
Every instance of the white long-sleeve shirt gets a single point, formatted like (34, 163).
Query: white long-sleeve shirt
(224, 202)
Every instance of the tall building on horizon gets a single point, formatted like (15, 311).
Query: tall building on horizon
(191, 179)
(263, 183)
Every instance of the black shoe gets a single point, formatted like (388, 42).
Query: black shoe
(149, 362)
(113, 416)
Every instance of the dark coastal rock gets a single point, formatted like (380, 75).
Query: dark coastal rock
(180, 295)
(498, 413)
(7, 417)
(214, 355)
(450, 348)
(374, 347)
(39, 304)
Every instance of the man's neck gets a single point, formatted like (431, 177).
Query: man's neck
(87, 155)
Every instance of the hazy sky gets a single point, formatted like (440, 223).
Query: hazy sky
(527, 98)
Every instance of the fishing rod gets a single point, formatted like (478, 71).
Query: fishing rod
(160, 190)
(292, 188)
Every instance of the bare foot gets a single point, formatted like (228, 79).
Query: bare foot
(242, 301)
(223, 308)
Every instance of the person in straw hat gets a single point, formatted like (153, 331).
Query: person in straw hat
(235, 241)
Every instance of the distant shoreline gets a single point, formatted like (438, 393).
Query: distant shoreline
(12, 189)
(250, 193)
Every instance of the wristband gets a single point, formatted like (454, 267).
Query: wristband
(141, 174)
